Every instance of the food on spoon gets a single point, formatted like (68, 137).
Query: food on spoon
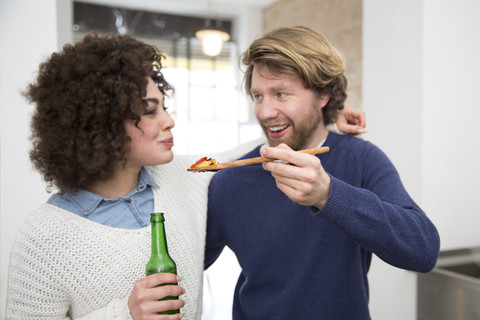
(203, 162)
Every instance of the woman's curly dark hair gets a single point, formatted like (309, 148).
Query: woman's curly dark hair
(83, 95)
(304, 53)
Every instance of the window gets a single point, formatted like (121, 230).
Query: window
(211, 112)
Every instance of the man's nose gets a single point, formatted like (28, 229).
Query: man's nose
(267, 109)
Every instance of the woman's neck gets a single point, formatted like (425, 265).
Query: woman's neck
(123, 181)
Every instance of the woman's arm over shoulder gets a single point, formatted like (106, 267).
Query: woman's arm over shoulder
(351, 121)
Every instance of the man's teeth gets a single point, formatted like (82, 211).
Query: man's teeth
(278, 128)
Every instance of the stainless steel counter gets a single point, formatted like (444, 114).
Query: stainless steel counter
(452, 290)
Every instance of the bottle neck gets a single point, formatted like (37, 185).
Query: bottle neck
(159, 243)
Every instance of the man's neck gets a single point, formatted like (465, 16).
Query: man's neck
(317, 139)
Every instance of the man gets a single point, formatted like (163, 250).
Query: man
(304, 228)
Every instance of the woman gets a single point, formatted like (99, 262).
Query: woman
(102, 136)
(100, 120)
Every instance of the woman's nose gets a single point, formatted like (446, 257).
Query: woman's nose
(166, 121)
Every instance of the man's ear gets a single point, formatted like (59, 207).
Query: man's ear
(324, 99)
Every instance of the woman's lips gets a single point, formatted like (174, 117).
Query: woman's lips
(168, 142)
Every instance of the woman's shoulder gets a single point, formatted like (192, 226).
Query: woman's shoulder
(57, 236)
(50, 221)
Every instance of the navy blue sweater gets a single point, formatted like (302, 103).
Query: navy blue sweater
(302, 263)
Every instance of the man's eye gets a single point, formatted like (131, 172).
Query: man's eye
(257, 96)
(281, 95)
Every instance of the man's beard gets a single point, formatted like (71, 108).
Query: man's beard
(301, 133)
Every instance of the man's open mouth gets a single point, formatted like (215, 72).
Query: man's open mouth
(277, 131)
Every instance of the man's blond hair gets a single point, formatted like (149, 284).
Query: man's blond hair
(304, 53)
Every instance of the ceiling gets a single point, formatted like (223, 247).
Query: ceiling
(253, 3)
(191, 7)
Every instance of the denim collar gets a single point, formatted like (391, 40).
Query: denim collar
(89, 201)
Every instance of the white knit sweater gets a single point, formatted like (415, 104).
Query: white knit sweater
(63, 266)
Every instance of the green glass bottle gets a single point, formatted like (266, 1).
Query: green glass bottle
(160, 261)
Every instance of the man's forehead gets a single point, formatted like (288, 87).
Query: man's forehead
(268, 73)
(278, 81)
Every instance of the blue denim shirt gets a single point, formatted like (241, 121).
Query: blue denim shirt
(129, 212)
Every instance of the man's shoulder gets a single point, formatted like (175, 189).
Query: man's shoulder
(350, 151)
(348, 142)
(346, 148)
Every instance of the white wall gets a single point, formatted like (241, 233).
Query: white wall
(421, 71)
(392, 91)
(28, 31)
(451, 110)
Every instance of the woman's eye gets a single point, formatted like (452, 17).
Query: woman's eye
(150, 111)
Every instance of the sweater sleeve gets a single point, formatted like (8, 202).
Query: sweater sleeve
(33, 289)
(36, 291)
(381, 217)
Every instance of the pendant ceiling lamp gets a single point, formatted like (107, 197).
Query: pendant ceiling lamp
(212, 38)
